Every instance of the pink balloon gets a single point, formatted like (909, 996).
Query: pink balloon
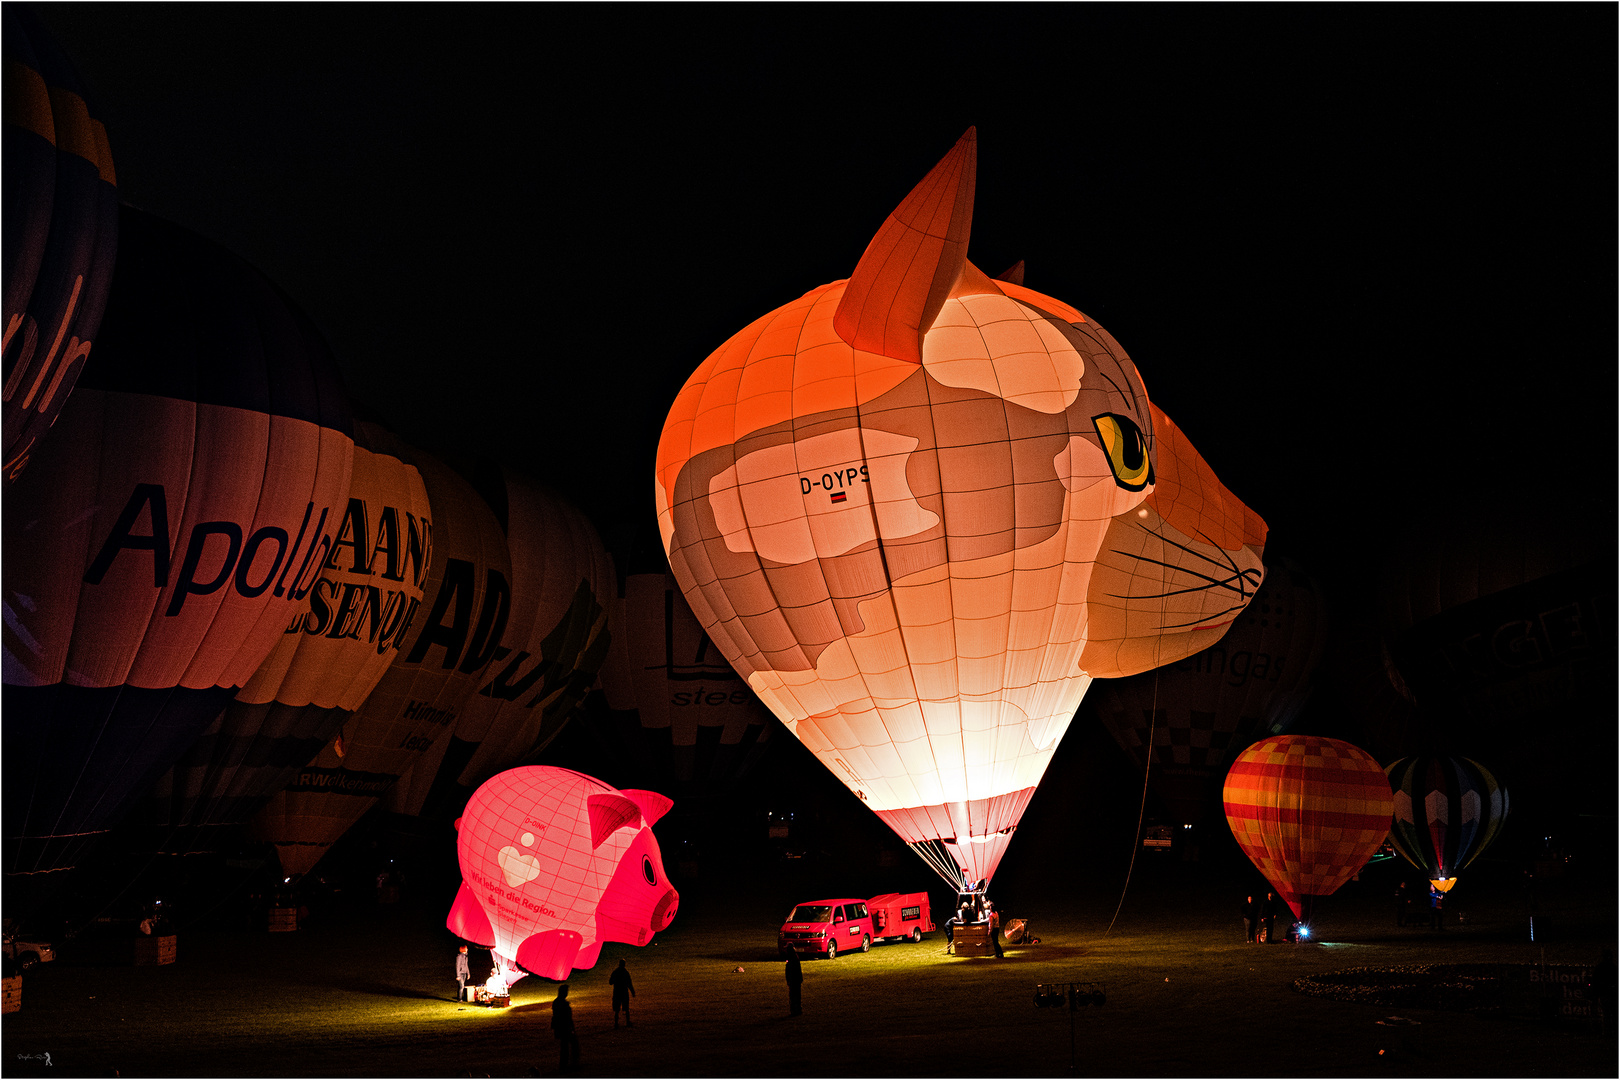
(553, 863)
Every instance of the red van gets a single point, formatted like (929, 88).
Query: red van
(829, 927)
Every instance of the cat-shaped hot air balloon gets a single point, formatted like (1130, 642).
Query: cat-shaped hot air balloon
(920, 509)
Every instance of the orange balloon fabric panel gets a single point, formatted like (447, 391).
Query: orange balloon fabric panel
(1172, 576)
(1307, 811)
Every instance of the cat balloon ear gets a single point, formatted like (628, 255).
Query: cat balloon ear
(913, 262)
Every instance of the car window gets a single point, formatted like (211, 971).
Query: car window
(838, 915)
(811, 913)
(857, 911)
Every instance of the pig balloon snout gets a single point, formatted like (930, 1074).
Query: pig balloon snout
(664, 913)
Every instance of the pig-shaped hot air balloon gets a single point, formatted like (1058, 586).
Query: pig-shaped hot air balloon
(553, 863)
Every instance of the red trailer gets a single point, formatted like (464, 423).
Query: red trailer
(900, 915)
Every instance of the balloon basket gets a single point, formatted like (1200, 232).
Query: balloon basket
(154, 950)
(972, 941)
(494, 1001)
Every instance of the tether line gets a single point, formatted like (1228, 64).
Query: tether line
(1153, 720)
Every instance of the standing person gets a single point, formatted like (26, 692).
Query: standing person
(994, 917)
(1436, 898)
(623, 991)
(463, 972)
(795, 978)
(1268, 918)
(562, 1027)
(1251, 919)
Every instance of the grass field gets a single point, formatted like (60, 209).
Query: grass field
(369, 993)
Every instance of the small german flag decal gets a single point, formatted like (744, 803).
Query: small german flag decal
(839, 496)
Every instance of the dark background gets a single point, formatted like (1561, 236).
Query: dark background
(1364, 256)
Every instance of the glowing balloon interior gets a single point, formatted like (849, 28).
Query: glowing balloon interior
(1308, 812)
(919, 510)
(553, 863)
(1447, 812)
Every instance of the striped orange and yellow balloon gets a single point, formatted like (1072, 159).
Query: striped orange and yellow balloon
(1308, 812)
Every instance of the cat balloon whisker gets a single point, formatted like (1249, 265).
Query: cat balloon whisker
(1227, 562)
(1240, 576)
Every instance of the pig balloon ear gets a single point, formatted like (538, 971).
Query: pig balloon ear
(610, 813)
(458, 824)
(653, 805)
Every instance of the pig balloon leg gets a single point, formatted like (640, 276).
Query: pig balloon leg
(551, 953)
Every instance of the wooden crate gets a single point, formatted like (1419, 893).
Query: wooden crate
(13, 994)
(154, 949)
(973, 940)
(283, 920)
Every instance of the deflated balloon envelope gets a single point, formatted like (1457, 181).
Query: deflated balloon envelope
(61, 232)
(162, 540)
(451, 641)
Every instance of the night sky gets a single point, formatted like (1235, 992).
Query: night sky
(1363, 256)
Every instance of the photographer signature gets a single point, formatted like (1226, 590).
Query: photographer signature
(46, 1058)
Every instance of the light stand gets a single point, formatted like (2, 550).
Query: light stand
(1074, 995)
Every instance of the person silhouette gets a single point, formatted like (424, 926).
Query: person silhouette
(795, 978)
(562, 1027)
(1251, 919)
(623, 991)
(463, 972)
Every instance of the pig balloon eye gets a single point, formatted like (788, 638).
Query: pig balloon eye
(647, 871)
